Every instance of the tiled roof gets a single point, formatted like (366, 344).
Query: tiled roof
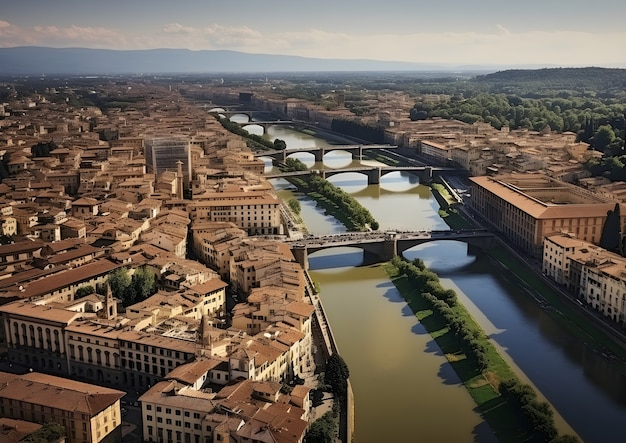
(57, 392)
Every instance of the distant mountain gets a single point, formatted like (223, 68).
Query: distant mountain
(538, 82)
(31, 60)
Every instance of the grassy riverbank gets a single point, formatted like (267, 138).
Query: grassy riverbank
(561, 309)
(503, 413)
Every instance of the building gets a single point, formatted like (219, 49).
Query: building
(593, 275)
(163, 154)
(89, 413)
(526, 208)
(245, 411)
(257, 213)
(35, 335)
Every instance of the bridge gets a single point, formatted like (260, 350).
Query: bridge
(385, 245)
(229, 111)
(373, 173)
(265, 124)
(280, 155)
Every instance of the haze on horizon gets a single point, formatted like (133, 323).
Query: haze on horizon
(447, 32)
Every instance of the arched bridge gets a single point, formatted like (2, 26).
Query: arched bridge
(229, 111)
(265, 124)
(373, 173)
(280, 155)
(386, 245)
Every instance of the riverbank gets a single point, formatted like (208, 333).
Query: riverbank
(502, 413)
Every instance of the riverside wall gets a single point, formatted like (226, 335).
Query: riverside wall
(325, 342)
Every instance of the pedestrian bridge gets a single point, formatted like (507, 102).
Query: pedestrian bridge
(386, 245)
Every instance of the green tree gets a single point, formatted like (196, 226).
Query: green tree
(336, 375)
(120, 282)
(603, 138)
(51, 432)
(143, 284)
(294, 205)
(323, 430)
(280, 144)
(83, 291)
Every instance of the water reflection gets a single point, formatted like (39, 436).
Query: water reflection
(381, 340)
(442, 255)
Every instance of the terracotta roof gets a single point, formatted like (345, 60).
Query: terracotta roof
(191, 372)
(57, 392)
(23, 246)
(41, 312)
(67, 278)
(538, 209)
(14, 431)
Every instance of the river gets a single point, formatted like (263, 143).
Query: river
(404, 389)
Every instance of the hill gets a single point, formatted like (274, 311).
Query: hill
(550, 80)
(31, 60)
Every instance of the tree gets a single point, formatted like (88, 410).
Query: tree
(280, 144)
(603, 138)
(120, 281)
(416, 115)
(610, 238)
(144, 283)
(51, 432)
(322, 430)
(294, 205)
(83, 291)
(336, 375)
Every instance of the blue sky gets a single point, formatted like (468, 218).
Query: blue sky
(547, 32)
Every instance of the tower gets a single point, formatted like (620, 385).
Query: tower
(179, 179)
(110, 304)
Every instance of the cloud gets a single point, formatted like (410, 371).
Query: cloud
(96, 37)
(503, 30)
(211, 37)
(495, 45)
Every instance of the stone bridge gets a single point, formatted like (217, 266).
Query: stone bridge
(280, 156)
(265, 124)
(373, 173)
(386, 245)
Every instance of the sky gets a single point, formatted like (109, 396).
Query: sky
(451, 32)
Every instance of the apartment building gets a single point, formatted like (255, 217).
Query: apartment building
(439, 153)
(207, 298)
(62, 286)
(212, 242)
(20, 252)
(146, 358)
(595, 276)
(89, 413)
(557, 250)
(257, 213)
(245, 411)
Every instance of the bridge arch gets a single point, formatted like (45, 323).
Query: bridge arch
(387, 245)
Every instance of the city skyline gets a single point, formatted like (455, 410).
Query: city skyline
(447, 33)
